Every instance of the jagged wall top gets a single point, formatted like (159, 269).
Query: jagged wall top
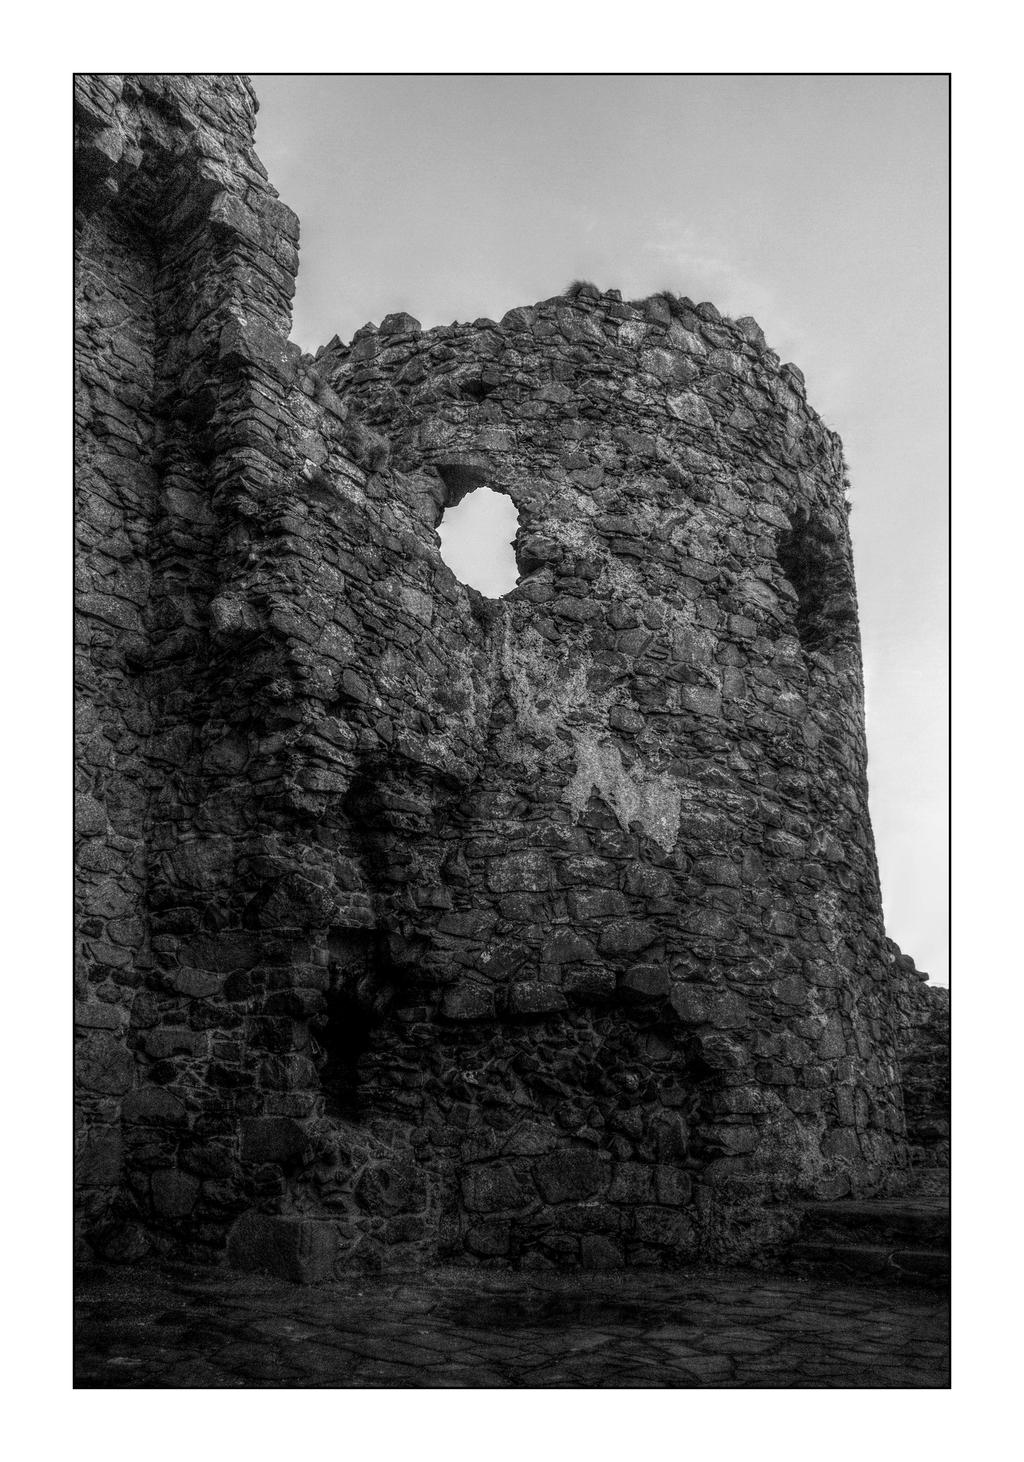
(176, 153)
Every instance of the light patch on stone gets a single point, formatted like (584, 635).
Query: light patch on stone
(574, 531)
(544, 692)
(347, 485)
(685, 340)
(828, 907)
(632, 332)
(689, 407)
(418, 604)
(621, 578)
(789, 1145)
(548, 696)
(651, 800)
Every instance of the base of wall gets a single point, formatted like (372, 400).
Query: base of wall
(300, 1249)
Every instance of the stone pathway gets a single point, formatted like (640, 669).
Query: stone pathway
(181, 1326)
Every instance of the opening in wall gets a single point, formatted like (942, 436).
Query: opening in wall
(476, 542)
(344, 1036)
(357, 995)
(819, 570)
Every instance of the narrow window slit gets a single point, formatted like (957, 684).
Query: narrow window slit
(818, 568)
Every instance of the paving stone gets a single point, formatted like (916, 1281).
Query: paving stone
(137, 1327)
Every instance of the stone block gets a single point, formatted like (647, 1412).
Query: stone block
(589, 983)
(600, 1252)
(171, 1040)
(669, 1132)
(644, 982)
(400, 323)
(588, 904)
(568, 1177)
(174, 1192)
(519, 872)
(842, 1142)
(90, 817)
(700, 699)
(632, 1183)
(299, 1249)
(663, 1227)
(533, 997)
(673, 1186)
(154, 1106)
(103, 1063)
(565, 946)
(97, 1015)
(394, 1186)
(272, 1139)
(831, 1045)
(493, 1189)
(490, 1240)
(626, 936)
(703, 1005)
(738, 1139)
(623, 718)
(98, 1158)
(468, 1002)
(590, 1217)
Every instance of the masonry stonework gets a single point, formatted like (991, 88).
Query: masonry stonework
(416, 925)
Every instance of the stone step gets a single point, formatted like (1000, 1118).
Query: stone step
(881, 1263)
(929, 1182)
(920, 1222)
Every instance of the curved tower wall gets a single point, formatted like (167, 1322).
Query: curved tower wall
(539, 930)
(674, 757)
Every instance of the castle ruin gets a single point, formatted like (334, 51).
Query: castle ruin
(416, 925)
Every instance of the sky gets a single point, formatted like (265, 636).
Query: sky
(817, 204)
(476, 541)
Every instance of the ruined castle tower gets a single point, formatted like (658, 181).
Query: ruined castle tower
(416, 925)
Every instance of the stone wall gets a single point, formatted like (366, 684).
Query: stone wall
(415, 924)
(924, 1065)
(179, 243)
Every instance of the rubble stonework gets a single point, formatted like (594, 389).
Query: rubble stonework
(923, 1050)
(413, 924)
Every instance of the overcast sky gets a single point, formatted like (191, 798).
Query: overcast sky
(816, 204)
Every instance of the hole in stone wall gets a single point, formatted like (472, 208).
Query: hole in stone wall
(342, 1039)
(354, 1003)
(478, 390)
(476, 542)
(816, 566)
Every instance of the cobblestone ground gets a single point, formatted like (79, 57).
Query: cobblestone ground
(180, 1326)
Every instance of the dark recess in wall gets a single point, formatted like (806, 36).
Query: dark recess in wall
(813, 564)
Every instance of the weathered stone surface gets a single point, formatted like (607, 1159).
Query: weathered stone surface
(493, 1189)
(701, 1005)
(568, 1176)
(174, 1193)
(103, 1064)
(98, 1159)
(298, 1249)
(464, 928)
(441, 1328)
(532, 997)
(924, 1062)
(645, 981)
(272, 1139)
